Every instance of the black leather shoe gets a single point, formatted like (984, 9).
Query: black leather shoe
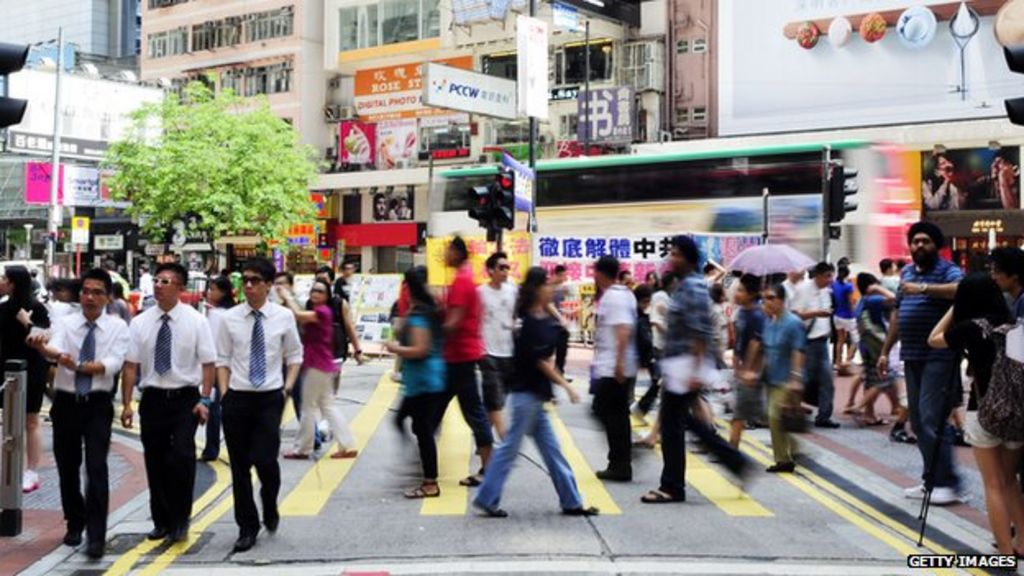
(157, 534)
(95, 550)
(781, 467)
(827, 424)
(615, 475)
(179, 534)
(73, 537)
(591, 511)
(244, 543)
(272, 521)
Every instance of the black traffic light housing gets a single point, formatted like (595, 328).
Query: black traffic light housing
(12, 59)
(504, 199)
(480, 208)
(842, 183)
(1015, 60)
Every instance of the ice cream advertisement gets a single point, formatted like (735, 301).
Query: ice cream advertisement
(358, 142)
(396, 143)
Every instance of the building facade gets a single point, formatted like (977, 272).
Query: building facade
(107, 28)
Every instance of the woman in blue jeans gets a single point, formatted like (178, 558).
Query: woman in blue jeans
(530, 389)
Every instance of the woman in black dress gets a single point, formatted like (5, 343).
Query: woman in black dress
(18, 316)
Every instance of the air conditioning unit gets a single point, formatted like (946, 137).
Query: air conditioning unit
(403, 163)
(336, 112)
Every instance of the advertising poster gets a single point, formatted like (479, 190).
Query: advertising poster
(516, 245)
(37, 183)
(394, 92)
(971, 179)
(396, 143)
(373, 295)
(611, 115)
(394, 204)
(358, 142)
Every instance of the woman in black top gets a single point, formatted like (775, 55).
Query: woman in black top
(18, 315)
(529, 389)
(978, 298)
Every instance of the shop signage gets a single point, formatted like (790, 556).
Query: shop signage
(516, 245)
(155, 249)
(456, 89)
(108, 242)
(564, 93)
(532, 63)
(37, 183)
(625, 11)
(611, 115)
(449, 154)
(566, 17)
(302, 235)
(80, 230)
(394, 92)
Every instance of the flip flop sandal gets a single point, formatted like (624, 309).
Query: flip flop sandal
(295, 456)
(342, 455)
(659, 497)
(420, 492)
(471, 481)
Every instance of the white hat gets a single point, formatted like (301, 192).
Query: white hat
(916, 27)
(1009, 25)
(840, 31)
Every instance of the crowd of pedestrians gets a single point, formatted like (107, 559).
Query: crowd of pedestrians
(776, 344)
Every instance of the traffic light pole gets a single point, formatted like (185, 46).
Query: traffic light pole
(826, 208)
(535, 257)
(54, 216)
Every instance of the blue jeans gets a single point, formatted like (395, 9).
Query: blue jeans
(819, 377)
(528, 417)
(930, 394)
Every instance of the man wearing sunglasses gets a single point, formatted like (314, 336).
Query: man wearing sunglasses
(498, 299)
(255, 339)
(171, 354)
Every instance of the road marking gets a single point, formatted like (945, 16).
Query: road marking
(124, 564)
(591, 488)
(455, 460)
(309, 497)
(818, 489)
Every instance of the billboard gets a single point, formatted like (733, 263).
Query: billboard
(394, 205)
(395, 92)
(971, 179)
(396, 143)
(358, 142)
(532, 66)
(469, 91)
(610, 118)
(95, 113)
(781, 68)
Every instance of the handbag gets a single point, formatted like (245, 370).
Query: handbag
(999, 410)
(792, 416)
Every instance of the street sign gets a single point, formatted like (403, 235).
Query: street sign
(457, 89)
(80, 230)
(155, 249)
(108, 242)
(523, 182)
(566, 17)
(532, 62)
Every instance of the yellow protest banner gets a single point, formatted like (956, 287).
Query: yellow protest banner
(516, 245)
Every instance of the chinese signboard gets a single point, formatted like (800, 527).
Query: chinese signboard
(611, 115)
(397, 91)
(358, 143)
(302, 235)
(469, 91)
(37, 183)
(532, 66)
(639, 254)
(516, 245)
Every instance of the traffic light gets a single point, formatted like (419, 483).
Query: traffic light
(842, 183)
(480, 206)
(12, 59)
(504, 199)
(1015, 60)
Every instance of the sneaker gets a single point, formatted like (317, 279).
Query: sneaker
(943, 496)
(29, 482)
(396, 377)
(916, 493)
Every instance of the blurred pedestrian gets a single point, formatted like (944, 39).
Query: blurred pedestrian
(89, 346)
(255, 340)
(423, 375)
(813, 305)
(652, 281)
(875, 303)
(146, 289)
(219, 299)
(171, 357)
(927, 289)
(22, 315)
(118, 306)
(1008, 272)
(561, 293)
(847, 337)
(530, 389)
(660, 301)
(498, 297)
(747, 358)
(614, 366)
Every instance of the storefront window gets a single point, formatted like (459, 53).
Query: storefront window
(500, 65)
(511, 133)
(451, 137)
(572, 68)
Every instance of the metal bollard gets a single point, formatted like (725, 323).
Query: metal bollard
(12, 449)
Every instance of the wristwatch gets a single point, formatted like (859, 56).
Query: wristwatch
(205, 401)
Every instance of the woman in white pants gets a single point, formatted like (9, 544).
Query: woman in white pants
(319, 373)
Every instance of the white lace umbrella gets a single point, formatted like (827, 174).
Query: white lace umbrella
(770, 259)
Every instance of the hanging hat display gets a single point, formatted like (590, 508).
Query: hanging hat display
(807, 35)
(916, 27)
(873, 27)
(840, 31)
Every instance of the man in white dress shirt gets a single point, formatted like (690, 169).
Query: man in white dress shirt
(255, 339)
(813, 304)
(89, 348)
(171, 354)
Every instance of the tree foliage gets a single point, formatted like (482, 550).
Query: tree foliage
(229, 160)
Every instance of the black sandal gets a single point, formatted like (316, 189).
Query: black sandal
(491, 512)
(471, 481)
(591, 511)
(660, 497)
(420, 492)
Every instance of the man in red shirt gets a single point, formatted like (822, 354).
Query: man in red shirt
(463, 348)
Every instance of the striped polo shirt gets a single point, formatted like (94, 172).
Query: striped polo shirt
(918, 313)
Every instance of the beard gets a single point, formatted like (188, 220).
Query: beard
(925, 259)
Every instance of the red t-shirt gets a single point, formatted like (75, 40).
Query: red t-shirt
(404, 300)
(466, 344)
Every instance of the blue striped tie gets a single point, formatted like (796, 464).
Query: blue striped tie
(83, 382)
(257, 352)
(162, 359)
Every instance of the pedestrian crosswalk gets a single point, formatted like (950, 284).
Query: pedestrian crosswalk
(455, 455)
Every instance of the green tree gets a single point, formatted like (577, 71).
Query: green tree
(227, 159)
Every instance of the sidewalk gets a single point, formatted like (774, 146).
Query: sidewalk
(42, 518)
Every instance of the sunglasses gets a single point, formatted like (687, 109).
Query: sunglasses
(163, 281)
(504, 268)
(320, 290)
(252, 280)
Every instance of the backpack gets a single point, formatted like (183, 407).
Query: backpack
(999, 410)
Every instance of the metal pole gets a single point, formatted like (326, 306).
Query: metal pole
(586, 89)
(12, 449)
(764, 220)
(533, 161)
(826, 166)
(53, 222)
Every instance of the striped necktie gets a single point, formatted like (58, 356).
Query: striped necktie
(83, 382)
(162, 356)
(257, 352)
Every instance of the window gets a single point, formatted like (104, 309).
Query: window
(449, 137)
(168, 42)
(700, 115)
(500, 65)
(270, 24)
(700, 46)
(573, 69)
(399, 21)
(388, 22)
(217, 34)
(272, 79)
(682, 46)
(511, 133)
(567, 126)
(232, 80)
(430, 18)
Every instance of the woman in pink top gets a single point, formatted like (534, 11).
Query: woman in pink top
(320, 373)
